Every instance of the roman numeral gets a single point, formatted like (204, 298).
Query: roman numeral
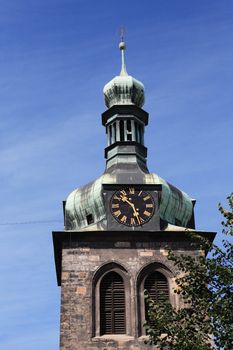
(118, 198)
(146, 198)
(132, 221)
(123, 219)
(115, 205)
(139, 194)
(123, 193)
(131, 190)
(149, 206)
(147, 213)
(117, 213)
(141, 220)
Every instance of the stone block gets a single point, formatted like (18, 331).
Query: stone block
(146, 253)
(81, 290)
(164, 252)
(94, 258)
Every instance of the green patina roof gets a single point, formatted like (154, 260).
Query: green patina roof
(175, 207)
(82, 202)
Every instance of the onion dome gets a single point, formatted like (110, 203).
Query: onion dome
(124, 89)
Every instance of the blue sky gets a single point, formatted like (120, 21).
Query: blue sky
(55, 58)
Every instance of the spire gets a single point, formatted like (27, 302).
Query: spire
(122, 47)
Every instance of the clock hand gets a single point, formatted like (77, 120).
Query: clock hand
(137, 215)
(125, 199)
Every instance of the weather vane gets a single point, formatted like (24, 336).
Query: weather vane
(122, 33)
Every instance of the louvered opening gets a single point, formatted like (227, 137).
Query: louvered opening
(157, 286)
(122, 131)
(112, 304)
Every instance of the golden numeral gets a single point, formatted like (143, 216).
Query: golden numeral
(149, 205)
(141, 220)
(123, 192)
(115, 205)
(132, 221)
(146, 198)
(139, 194)
(117, 213)
(131, 190)
(118, 198)
(124, 219)
(147, 213)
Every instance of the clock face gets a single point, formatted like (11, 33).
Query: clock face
(132, 207)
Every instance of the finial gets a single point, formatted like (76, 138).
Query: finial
(122, 47)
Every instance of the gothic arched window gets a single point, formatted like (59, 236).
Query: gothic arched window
(112, 304)
(157, 286)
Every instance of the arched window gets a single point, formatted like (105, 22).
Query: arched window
(157, 278)
(157, 286)
(112, 304)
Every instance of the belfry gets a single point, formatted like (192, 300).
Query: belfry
(117, 230)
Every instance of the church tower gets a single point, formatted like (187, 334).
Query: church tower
(116, 232)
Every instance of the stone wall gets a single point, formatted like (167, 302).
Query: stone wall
(85, 258)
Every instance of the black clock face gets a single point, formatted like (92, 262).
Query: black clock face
(132, 207)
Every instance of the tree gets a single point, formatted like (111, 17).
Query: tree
(206, 287)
